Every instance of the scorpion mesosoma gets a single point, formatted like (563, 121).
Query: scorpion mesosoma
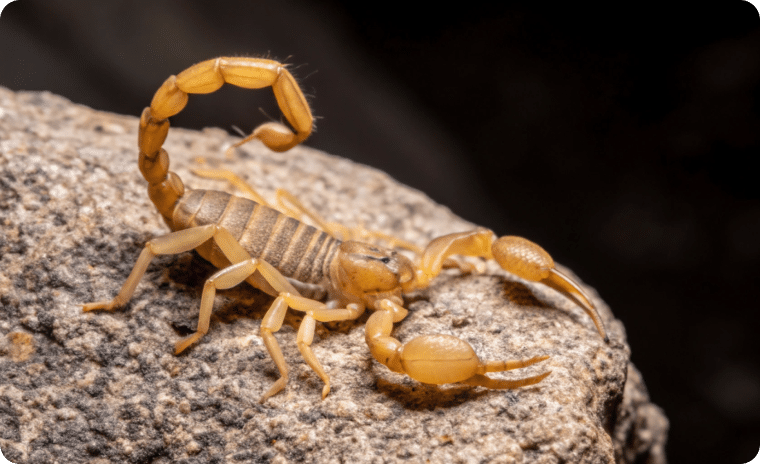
(252, 242)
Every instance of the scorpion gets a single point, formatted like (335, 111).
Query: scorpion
(251, 241)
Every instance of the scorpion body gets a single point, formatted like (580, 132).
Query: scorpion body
(253, 242)
(297, 250)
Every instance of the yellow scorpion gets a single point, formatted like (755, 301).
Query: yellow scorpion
(253, 242)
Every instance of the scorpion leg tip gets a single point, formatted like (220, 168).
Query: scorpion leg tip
(87, 307)
(179, 347)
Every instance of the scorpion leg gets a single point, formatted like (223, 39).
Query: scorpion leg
(173, 243)
(243, 268)
(516, 255)
(272, 321)
(179, 242)
(235, 180)
(315, 311)
(291, 205)
(437, 359)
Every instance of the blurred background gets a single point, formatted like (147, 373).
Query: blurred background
(621, 140)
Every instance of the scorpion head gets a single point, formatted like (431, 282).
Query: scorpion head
(370, 273)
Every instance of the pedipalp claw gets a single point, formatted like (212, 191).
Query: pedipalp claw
(563, 284)
(529, 261)
(503, 384)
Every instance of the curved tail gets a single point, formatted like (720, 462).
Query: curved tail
(165, 187)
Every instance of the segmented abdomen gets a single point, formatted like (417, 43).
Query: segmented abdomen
(296, 249)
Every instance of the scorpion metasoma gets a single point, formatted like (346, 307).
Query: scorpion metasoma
(272, 251)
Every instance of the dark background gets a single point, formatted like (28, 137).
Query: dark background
(623, 140)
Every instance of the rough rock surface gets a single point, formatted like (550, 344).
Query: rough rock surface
(105, 387)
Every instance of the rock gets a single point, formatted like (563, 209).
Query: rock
(106, 386)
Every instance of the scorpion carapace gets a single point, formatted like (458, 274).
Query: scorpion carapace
(250, 241)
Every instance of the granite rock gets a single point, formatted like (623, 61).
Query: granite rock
(106, 387)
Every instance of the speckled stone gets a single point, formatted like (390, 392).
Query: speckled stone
(105, 387)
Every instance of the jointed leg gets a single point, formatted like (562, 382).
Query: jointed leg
(186, 240)
(287, 297)
(243, 268)
(173, 243)
(315, 311)
(235, 180)
(224, 279)
(271, 323)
